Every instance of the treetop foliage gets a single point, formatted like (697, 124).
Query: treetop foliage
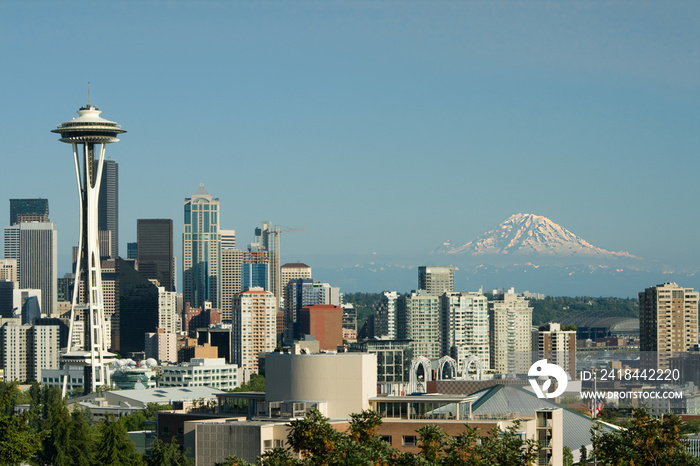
(648, 441)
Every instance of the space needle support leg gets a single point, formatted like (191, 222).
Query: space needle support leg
(76, 279)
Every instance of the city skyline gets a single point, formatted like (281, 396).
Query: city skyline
(459, 113)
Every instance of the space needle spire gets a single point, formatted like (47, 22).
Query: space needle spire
(88, 134)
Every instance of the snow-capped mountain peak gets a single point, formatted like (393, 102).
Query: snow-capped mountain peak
(524, 234)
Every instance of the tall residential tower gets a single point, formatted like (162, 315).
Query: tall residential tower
(668, 323)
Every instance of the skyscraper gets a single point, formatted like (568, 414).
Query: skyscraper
(231, 270)
(436, 280)
(132, 251)
(155, 251)
(201, 246)
(256, 270)
(34, 246)
(91, 133)
(288, 273)
(29, 210)
(137, 310)
(465, 326)
(418, 319)
(108, 216)
(254, 327)
(263, 241)
(668, 323)
(510, 333)
(385, 317)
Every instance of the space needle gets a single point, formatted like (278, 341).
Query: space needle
(88, 134)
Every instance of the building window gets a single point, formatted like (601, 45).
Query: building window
(386, 438)
(165, 431)
(409, 441)
(268, 444)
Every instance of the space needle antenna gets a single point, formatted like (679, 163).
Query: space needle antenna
(88, 93)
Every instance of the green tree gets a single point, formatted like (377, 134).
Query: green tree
(508, 448)
(568, 457)
(18, 440)
(314, 438)
(169, 454)
(114, 447)
(55, 424)
(432, 440)
(275, 457)
(464, 450)
(82, 438)
(234, 461)
(583, 458)
(137, 420)
(648, 441)
(691, 426)
(255, 384)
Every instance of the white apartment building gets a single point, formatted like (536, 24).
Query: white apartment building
(465, 326)
(254, 327)
(510, 327)
(13, 350)
(45, 348)
(168, 317)
(202, 372)
(26, 350)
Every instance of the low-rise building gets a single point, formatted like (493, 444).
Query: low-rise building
(202, 372)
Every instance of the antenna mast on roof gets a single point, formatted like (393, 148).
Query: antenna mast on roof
(88, 93)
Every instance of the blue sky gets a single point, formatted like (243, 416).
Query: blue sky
(383, 127)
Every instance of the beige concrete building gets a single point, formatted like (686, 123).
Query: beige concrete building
(345, 381)
(254, 327)
(161, 346)
(510, 333)
(231, 270)
(8, 269)
(668, 323)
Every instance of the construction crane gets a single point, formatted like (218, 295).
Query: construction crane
(276, 231)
